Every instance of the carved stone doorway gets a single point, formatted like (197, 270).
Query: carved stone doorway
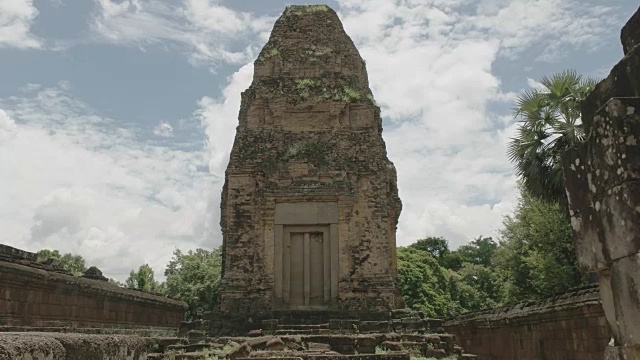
(306, 253)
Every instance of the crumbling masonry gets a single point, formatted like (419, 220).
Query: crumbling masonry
(310, 203)
(603, 185)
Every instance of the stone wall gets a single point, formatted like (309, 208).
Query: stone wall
(602, 178)
(35, 296)
(53, 346)
(567, 327)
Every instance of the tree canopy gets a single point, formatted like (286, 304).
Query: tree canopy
(144, 280)
(194, 277)
(536, 255)
(73, 263)
(549, 125)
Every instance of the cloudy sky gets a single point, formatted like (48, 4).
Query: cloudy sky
(117, 116)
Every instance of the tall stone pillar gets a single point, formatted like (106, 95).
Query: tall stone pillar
(310, 203)
(603, 185)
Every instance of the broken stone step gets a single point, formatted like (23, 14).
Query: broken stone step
(194, 347)
(406, 345)
(270, 358)
(301, 332)
(429, 338)
(178, 356)
(302, 327)
(436, 353)
(163, 342)
(228, 339)
(284, 354)
(388, 356)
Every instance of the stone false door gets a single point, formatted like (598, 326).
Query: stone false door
(306, 254)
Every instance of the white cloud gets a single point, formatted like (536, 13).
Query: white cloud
(430, 65)
(16, 17)
(209, 32)
(220, 118)
(163, 129)
(535, 84)
(76, 181)
(7, 127)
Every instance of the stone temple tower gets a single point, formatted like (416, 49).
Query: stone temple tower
(310, 203)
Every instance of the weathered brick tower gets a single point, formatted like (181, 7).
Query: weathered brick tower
(310, 203)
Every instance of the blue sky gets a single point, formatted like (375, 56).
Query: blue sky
(117, 116)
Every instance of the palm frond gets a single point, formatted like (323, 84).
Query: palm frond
(549, 125)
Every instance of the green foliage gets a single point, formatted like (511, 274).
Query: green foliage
(299, 10)
(273, 52)
(74, 264)
(536, 255)
(267, 54)
(550, 124)
(318, 51)
(438, 247)
(442, 282)
(305, 86)
(476, 287)
(194, 277)
(116, 282)
(144, 280)
(306, 83)
(350, 95)
(423, 282)
(314, 152)
(479, 251)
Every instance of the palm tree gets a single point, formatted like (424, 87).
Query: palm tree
(550, 124)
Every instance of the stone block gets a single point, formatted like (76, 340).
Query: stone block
(23, 347)
(630, 34)
(625, 286)
(620, 214)
(591, 247)
(622, 353)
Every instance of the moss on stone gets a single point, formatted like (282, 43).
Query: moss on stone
(302, 9)
(306, 86)
(315, 152)
(371, 99)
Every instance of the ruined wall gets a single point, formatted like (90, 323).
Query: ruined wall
(36, 296)
(55, 346)
(568, 327)
(309, 132)
(602, 178)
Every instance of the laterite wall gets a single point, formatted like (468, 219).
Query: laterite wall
(36, 296)
(567, 327)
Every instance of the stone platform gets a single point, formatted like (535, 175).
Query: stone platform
(320, 334)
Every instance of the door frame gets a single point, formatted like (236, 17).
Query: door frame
(298, 217)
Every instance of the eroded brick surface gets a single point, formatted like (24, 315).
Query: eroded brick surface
(309, 131)
(567, 327)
